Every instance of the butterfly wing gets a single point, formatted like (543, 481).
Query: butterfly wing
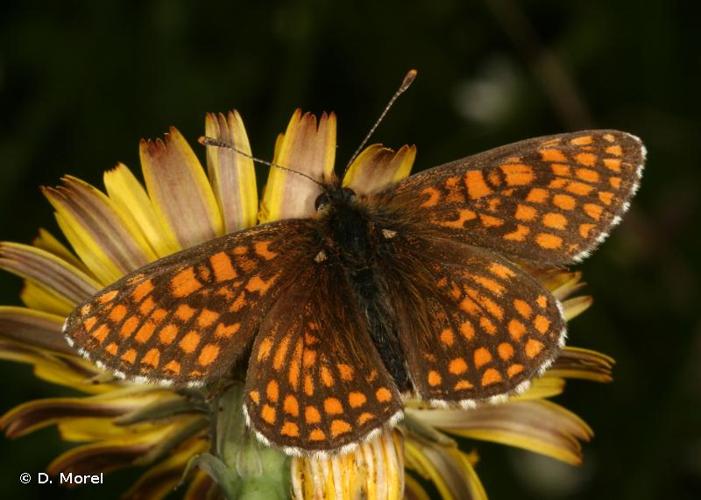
(316, 382)
(472, 325)
(550, 199)
(187, 318)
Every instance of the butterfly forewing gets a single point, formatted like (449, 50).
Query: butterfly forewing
(549, 199)
(315, 381)
(187, 318)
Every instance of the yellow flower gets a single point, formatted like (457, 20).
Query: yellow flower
(119, 423)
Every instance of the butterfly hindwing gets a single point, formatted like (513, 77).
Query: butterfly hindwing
(550, 199)
(187, 318)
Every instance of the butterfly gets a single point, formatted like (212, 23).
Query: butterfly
(419, 288)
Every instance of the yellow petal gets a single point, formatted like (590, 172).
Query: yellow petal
(129, 195)
(179, 188)
(36, 296)
(378, 167)
(233, 175)
(576, 306)
(585, 364)
(306, 148)
(47, 241)
(33, 328)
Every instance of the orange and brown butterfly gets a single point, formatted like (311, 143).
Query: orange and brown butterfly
(417, 289)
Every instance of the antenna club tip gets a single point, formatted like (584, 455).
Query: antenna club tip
(202, 140)
(409, 79)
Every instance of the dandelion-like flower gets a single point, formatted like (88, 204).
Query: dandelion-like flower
(200, 436)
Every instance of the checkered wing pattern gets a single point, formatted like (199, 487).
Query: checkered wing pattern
(315, 380)
(549, 199)
(186, 319)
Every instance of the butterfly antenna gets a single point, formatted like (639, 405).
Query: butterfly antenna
(220, 143)
(406, 83)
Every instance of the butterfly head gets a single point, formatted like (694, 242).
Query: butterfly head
(334, 196)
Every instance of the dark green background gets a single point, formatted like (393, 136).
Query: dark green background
(81, 82)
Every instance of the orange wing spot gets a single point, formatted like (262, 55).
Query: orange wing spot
(262, 249)
(256, 284)
(264, 349)
(533, 348)
(281, 353)
(551, 155)
(525, 212)
(356, 399)
(555, 220)
(208, 355)
(541, 324)
(518, 235)
(516, 329)
(561, 169)
(489, 221)
(615, 182)
(147, 306)
(542, 301)
(586, 159)
(594, 211)
(346, 372)
(615, 150)
(129, 356)
(206, 318)
(107, 297)
(548, 241)
(339, 427)
(129, 326)
(383, 395)
(585, 230)
(168, 333)
(222, 267)
(89, 323)
(492, 307)
(308, 358)
(434, 378)
(372, 376)
(493, 178)
(151, 358)
(433, 197)
(505, 350)
(467, 330)
(142, 290)
(117, 313)
(558, 183)
(333, 406)
(501, 270)
(272, 390)
(481, 357)
(189, 342)
(523, 308)
(238, 303)
(487, 325)
(587, 174)
(308, 385)
(469, 306)
(582, 140)
(579, 188)
(476, 185)
(537, 195)
(326, 377)
(564, 201)
(268, 414)
(446, 337)
(173, 368)
(491, 376)
(112, 348)
(290, 429)
(317, 435)
(613, 164)
(609, 137)
(494, 204)
(514, 370)
(223, 331)
(457, 366)
(463, 384)
(464, 215)
(240, 250)
(606, 197)
(255, 396)
(291, 405)
(518, 174)
(184, 283)
(159, 314)
(293, 372)
(364, 417)
(184, 312)
(145, 331)
(312, 415)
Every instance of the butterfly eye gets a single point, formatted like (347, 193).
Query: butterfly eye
(321, 200)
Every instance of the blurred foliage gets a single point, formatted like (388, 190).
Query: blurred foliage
(81, 82)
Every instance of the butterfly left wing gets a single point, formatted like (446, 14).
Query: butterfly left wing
(550, 200)
(472, 325)
(316, 382)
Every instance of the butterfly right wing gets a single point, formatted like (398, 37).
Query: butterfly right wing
(187, 318)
